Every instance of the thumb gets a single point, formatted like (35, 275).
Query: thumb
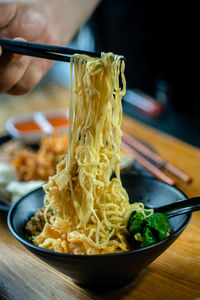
(0, 50)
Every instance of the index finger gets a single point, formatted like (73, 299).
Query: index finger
(5, 59)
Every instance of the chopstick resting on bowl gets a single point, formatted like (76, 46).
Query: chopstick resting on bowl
(42, 50)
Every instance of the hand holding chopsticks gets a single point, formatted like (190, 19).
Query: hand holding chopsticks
(19, 74)
(147, 158)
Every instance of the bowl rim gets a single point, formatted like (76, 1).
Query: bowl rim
(60, 255)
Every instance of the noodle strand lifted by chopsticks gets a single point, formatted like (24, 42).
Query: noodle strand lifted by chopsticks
(90, 209)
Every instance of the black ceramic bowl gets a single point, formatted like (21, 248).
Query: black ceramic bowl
(108, 269)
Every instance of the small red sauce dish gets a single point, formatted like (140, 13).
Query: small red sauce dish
(31, 127)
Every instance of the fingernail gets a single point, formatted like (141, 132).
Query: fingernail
(19, 39)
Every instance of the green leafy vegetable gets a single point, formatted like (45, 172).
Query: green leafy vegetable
(160, 223)
(148, 237)
(29, 238)
(135, 223)
(33, 219)
(29, 229)
(148, 229)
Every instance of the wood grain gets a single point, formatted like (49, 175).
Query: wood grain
(174, 275)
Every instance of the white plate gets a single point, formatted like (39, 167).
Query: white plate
(34, 136)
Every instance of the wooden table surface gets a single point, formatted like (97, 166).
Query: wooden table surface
(174, 275)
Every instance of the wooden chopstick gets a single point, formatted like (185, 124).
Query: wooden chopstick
(137, 145)
(42, 50)
(147, 164)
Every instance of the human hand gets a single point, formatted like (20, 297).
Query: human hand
(41, 21)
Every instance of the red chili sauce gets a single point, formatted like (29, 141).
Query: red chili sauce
(58, 121)
(27, 126)
(33, 126)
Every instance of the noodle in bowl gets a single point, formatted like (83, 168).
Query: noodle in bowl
(90, 209)
(104, 270)
(86, 236)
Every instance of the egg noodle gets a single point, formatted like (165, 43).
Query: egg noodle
(90, 207)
